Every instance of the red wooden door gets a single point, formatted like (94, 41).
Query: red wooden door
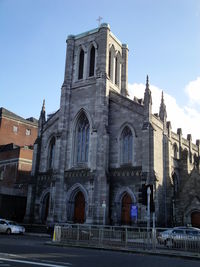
(79, 208)
(126, 210)
(195, 219)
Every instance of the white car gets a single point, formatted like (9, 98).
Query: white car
(177, 234)
(10, 227)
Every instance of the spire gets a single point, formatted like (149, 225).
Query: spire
(147, 100)
(43, 106)
(147, 83)
(42, 118)
(163, 111)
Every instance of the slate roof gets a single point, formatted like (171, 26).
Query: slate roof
(6, 113)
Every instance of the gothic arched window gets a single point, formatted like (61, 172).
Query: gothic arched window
(51, 154)
(92, 61)
(82, 139)
(175, 184)
(109, 66)
(126, 145)
(81, 64)
(116, 71)
(175, 151)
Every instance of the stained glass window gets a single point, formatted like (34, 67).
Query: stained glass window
(82, 136)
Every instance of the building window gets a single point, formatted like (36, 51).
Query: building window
(51, 153)
(127, 145)
(175, 184)
(81, 64)
(175, 151)
(82, 139)
(92, 61)
(116, 71)
(28, 132)
(109, 66)
(15, 129)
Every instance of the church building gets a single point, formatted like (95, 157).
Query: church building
(96, 156)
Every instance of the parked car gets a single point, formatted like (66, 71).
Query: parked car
(178, 234)
(10, 227)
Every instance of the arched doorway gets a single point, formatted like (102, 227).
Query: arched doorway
(79, 208)
(195, 219)
(126, 209)
(45, 208)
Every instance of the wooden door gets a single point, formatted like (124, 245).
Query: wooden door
(195, 219)
(126, 210)
(79, 208)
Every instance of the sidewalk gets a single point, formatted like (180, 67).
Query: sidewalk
(156, 251)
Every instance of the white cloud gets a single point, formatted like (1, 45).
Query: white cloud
(193, 91)
(186, 117)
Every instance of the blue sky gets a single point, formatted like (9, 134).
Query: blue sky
(163, 39)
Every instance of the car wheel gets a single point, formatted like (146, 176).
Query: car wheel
(8, 231)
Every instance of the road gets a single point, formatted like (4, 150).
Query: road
(32, 251)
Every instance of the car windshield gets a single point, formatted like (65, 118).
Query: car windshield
(12, 223)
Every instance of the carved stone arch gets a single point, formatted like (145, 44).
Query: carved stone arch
(117, 207)
(70, 200)
(122, 191)
(44, 206)
(77, 116)
(192, 208)
(112, 47)
(126, 124)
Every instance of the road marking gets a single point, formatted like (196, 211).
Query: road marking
(33, 263)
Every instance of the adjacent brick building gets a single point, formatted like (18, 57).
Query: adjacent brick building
(17, 136)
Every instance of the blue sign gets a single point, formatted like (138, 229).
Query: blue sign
(134, 211)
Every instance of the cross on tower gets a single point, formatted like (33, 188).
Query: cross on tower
(99, 20)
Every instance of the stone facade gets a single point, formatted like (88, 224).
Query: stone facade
(93, 155)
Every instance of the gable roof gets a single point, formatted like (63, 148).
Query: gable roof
(6, 113)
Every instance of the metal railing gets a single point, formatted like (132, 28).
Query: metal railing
(124, 237)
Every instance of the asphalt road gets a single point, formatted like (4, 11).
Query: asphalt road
(32, 251)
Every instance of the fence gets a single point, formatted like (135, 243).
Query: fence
(124, 237)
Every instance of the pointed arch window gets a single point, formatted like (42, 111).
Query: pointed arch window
(175, 151)
(127, 145)
(92, 61)
(81, 64)
(82, 139)
(116, 71)
(109, 66)
(175, 184)
(51, 153)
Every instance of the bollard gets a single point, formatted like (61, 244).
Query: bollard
(57, 233)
